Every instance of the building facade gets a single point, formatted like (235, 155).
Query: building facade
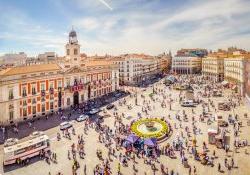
(235, 71)
(213, 66)
(186, 64)
(14, 58)
(39, 89)
(134, 69)
(247, 82)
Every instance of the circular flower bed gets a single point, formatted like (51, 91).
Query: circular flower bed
(140, 128)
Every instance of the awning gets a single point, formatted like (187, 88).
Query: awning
(224, 82)
(132, 138)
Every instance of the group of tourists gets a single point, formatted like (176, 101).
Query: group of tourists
(184, 144)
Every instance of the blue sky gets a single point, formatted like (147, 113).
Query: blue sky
(123, 26)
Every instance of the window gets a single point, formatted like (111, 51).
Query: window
(88, 79)
(68, 101)
(33, 89)
(43, 99)
(99, 76)
(68, 51)
(75, 59)
(11, 96)
(11, 115)
(24, 112)
(24, 103)
(51, 105)
(59, 84)
(34, 110)
(43, 87)
(68, 82)
(75, 51)
(33, 101)
(51, 85)
(24, 92)
(43, 107)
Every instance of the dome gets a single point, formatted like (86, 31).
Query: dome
(72, 33)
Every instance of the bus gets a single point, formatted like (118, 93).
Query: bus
(25, 150)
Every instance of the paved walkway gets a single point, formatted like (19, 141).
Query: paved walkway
(242, 165)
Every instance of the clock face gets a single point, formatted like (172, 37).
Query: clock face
(73, 40)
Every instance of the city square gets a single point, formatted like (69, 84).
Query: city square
(141, 96)
(105, 87)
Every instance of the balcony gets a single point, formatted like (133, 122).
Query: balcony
(51, 90)
(74, 88)
(43, 92)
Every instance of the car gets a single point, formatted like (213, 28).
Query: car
(82, 118)
(118, 95)
(94, 111)
(188, 104)
(65, 125)
(110, 106)
(36, 134)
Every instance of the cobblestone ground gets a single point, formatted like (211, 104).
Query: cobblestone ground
(241, 159)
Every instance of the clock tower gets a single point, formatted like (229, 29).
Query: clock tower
(73, 49)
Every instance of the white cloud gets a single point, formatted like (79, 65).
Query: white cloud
(206, 10)
(87, 23)
(213, 24)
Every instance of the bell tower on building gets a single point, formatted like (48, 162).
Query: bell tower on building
(73, 49)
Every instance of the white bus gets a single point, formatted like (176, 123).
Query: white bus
(25, 150)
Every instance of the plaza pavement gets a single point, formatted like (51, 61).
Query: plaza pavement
(242, 161)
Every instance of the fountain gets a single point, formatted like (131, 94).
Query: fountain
(150, 128)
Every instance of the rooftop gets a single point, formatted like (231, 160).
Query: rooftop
(29, 69)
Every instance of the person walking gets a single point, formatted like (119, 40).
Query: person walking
(219, 167)
(119, 168)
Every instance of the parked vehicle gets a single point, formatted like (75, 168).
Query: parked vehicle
(188, 103)
(65, 125)
(36, 134)
(94, 111)
(21, 151)
(118, 95)
(82, 118)
(110, 106)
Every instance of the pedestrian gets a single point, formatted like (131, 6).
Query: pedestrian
(190, 170)
(219, 167)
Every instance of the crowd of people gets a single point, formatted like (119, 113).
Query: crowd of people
(184, 145)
